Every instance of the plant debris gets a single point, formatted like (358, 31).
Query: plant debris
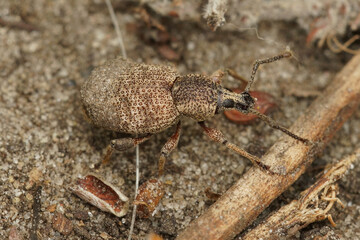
(148, 197)
(62, 224)
(101, 194)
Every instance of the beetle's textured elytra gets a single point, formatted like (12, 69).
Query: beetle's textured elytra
(141, 99)
(128, 97)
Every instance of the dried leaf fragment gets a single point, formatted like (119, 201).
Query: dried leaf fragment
(264, 103)
(168, 53)
(212, 195)
(51, 208)
(153, 236)
(101, 194)
(61, 224)
(148, 197)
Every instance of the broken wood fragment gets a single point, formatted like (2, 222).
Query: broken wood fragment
(314, 205)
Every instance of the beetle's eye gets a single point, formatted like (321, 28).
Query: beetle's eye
(228, 103)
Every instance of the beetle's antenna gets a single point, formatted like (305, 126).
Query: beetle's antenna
(257, 63)
(274, 125)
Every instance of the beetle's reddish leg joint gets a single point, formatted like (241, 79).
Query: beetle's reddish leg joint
(217, 136)
(169, 146)
(213, 133)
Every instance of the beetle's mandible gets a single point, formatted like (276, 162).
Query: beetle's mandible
(140, 99)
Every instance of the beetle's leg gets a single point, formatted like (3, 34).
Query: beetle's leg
(235, 75)
(217, 136)
(169, 146)
(122, 144)
(217, 76)
(106, 158)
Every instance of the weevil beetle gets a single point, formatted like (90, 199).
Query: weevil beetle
(140, 99)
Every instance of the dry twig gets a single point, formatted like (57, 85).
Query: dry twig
(336, 46)
(251, 194)
(309, 208)
(19, 25)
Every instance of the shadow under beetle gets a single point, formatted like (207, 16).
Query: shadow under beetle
(140, 99)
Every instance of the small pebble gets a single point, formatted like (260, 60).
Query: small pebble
(14, 234)
(81, 215)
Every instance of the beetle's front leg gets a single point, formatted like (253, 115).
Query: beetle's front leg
(169, 146)
(217, 136)
(236, 76)
(122, 144)
(217, 76)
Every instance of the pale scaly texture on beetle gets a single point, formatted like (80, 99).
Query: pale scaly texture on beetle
(128, 97)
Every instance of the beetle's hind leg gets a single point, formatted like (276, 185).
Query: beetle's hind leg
(169, 146)
(217, 136)
(122, 144)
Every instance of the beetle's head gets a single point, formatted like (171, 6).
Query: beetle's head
(227, 100)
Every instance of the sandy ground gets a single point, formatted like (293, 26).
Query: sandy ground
(46, 144)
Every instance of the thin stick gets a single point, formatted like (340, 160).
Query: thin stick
(136, 191)
(251, 194)
(117, 28)
(19, 25)
(137, 151)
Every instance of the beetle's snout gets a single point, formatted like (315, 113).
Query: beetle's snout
(232, 100)
(244, 102)
(248, 99)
